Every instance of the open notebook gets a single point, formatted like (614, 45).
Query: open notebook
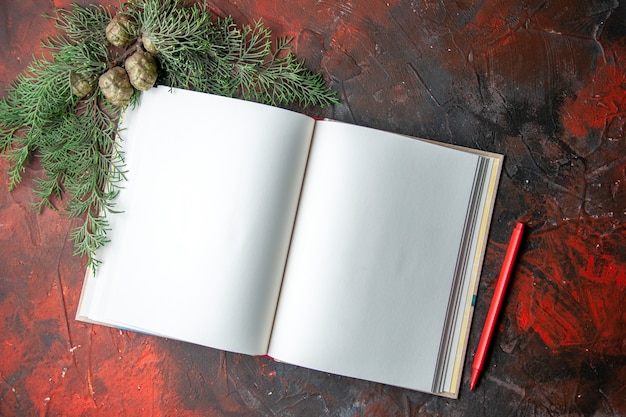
(258, 230)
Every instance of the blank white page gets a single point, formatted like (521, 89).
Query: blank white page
(373, 255)
(208, 206)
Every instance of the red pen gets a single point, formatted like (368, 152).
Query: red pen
(496, 303)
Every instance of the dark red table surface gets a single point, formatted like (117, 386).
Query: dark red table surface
(543, 82)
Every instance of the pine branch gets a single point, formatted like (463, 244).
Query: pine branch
(58, 112)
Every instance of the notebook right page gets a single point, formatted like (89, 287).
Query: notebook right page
(373, 256)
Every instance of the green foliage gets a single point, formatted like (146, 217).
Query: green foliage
(216, 56)
(74, 137)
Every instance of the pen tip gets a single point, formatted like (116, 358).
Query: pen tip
(473, 380)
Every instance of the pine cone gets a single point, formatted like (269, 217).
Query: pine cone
(120, 31)
(149, 45)
(116, 87)
(82, 85)
(142, 70)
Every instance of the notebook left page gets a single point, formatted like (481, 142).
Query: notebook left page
(198, 252)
